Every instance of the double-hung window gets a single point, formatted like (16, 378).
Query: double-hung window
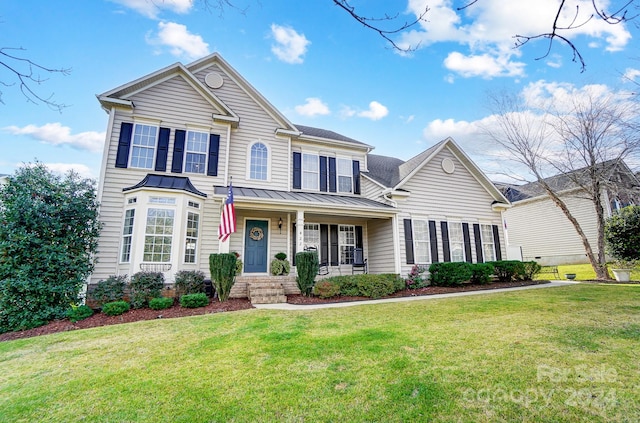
(347, 241)
(421, 241)
(127, 233)
(488, 248)
(191, 240)
(312, 236)
(143, 146)
(345, 175)
(196, 152)
(456, 241)
(158, 235)
(259, 162)
(310, 172)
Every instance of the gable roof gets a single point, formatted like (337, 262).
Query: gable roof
(394, 173)
(325, 134)
(567, 181)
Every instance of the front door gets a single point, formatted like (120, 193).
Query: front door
(256, 237)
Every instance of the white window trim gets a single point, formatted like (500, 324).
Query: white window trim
(464, 254)
(206, 151)
(155, 145)
(319, 236)
(338, 174)
(130, 236)
(483, 242)
(340, 244)
(191, 210)
(302, 171)
(249, 147)
(428, 240)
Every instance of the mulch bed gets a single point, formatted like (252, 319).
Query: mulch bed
(100, 319)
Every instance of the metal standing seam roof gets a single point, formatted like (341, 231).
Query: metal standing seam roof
(180, 183)
(240, 193)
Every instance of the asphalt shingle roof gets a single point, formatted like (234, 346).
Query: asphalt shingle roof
(325, 133)
(389, 171)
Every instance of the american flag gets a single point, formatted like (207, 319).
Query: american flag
(227, 217)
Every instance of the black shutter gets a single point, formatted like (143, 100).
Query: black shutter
(359, 239)
(323, 173)
(178, 151)
(356, 177)
(163, 150)
(467, 242)
(332, 174)
(408, 241)
(433, 241)
(324, 244)
(297, 170)
(446, 252)
(124, 143)
(214, 147)
(496, 242)
(294, 243)
(478, 239)
(333, 239)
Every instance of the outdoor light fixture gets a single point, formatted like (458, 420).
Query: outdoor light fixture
(280, 224)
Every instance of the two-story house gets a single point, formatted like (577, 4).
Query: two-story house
(178, 137)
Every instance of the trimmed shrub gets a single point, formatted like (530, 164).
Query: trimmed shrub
(348, 285)
(189, 282)
(450, 273)
(281, 256)
(508, 270)
(194, 300)
(115, 308)
(376, 286)
(108, 290)
(367, 285)
(326, 289)
(481, 273)
(531, 269)
(77, 313)
(307, 266)
(416, 278)
(223, 273)
(144, 286)
(160, 303)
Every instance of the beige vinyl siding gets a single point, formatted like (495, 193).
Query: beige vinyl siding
(380, 241)
(542, 230)
(255, 125)
(371, 190)
(439, 196)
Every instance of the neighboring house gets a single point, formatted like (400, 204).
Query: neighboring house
(176, 138)
(3, 179)
(542, 232)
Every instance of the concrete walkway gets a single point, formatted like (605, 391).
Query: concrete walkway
(287, 306)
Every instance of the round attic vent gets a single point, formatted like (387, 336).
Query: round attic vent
(448, 166)
(213, 79)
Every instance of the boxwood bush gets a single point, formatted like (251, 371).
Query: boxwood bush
(450, 273)
(326, 289)
(160, 303)
(194, 300)
(509, 270)
(108, 290)
(481, 273)
(115, 308)
(77, 313)
(368, 285)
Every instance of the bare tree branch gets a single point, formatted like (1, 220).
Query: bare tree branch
(25, 73)
(368, 22)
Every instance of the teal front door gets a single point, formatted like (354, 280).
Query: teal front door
(256, 240)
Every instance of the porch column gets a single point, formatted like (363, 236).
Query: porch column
(396, 244)
(300, 231)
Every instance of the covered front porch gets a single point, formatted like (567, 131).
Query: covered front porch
(270, 222)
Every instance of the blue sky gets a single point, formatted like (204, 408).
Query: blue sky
(309, 59)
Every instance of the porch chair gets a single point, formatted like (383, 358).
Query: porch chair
(359, 262)
(323, 266)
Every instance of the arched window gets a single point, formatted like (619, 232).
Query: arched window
(259, 162)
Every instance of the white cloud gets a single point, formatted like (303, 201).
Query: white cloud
(152, 8)
(179, 40)
(376, 111)
(56, 134)
(313, 107)
(487, 29)
(62, 168)
(290, 46)
(630, 74)
(484, 65)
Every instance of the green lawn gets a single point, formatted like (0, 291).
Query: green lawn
(548, 355)
(583, 272)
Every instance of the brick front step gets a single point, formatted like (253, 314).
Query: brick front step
(242, 285)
